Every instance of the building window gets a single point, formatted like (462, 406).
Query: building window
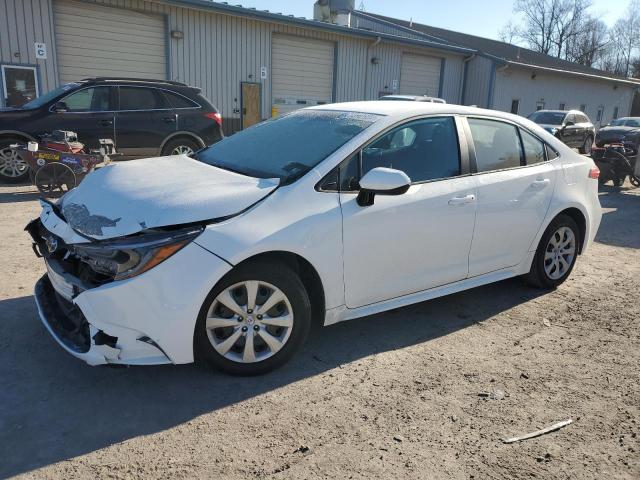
(615, 113)
(600, 113)
(583, 108)
(540, 106)
(515, 106)
(562, 106)
(19, 85)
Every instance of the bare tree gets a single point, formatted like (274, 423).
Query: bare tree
(626, 37)
(589, 46)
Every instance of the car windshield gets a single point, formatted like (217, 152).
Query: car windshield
(47, 97)
(286, 147)
(626, 122)
(548, 118)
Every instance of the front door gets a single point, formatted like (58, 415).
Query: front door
(419, 240)
(89, 112)
(250, 104)
(19, 85)
(143, 121)
(514, 193)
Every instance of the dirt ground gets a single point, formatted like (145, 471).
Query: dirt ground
(397, 395)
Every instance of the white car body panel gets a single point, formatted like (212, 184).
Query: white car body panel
(401, 250)
(125, 198)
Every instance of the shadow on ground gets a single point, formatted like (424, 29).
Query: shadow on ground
(18, 196)
(54, 407)
(620, 225)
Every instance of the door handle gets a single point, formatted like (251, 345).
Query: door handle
(456, 201)
(170, 119)
(106, 123)
(541, 183)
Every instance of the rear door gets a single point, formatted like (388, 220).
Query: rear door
(143, 121)
(515, 183)
(89, 112)
(570, 133)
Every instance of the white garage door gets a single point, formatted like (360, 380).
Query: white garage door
(301, 73)
(94, 40)
(420, 75)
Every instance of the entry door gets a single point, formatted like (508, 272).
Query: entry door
(19, 85)
(418, 240)
(250, 104)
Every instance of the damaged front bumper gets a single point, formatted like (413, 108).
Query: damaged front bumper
(145, 320)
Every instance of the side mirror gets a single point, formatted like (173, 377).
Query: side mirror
(569, 124)
(60, 107)
(382, 181)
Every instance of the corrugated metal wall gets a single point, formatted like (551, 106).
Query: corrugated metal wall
(478, 81)
(22, 24)
(553, 89)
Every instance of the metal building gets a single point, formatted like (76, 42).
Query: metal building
(256, 64)
(506, 77)
(251, 64)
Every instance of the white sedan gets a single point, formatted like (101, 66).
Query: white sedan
(327, 214)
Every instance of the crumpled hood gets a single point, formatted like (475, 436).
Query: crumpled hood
(617, 130)
(125, 198)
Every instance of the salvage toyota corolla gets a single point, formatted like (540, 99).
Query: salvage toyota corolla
(326, 214)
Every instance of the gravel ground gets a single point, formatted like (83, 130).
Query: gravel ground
(397, 395)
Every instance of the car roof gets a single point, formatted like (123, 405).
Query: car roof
(412, 98)
(562, 111)
(408, 109)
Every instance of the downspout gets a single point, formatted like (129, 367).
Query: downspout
(492, 82)
(463, 93)
(366, 71)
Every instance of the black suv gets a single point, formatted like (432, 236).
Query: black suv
(145, 118)
(573, 127)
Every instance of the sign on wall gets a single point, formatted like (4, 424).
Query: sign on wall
(263, 73)
(41, 50)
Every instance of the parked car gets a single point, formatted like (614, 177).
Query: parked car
(413, 98)
(144, 117)
(573, 127)
(327, 214)
(625, 130)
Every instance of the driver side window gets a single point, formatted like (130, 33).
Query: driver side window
(424, 149)
(94, 99)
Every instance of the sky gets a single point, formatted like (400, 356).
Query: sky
(476, 17)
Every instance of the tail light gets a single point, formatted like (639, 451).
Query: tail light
(215, 116)
(594, 173)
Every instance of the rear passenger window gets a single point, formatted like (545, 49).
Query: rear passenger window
(178, 101)
(423, 149)
(496, 143)
(533, 148)
(140, 98)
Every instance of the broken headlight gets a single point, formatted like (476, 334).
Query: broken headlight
(131, 256)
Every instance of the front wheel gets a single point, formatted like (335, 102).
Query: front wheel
(13, 168)
(556, 254)
(254, 320)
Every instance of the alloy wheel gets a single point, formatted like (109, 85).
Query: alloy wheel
(182, 150)
(249, 321)
(11, 163)
(560, 253)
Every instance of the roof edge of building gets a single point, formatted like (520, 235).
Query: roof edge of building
(278, 17)
(629, 81)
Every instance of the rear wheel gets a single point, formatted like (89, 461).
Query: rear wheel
(254, 320)
(13, 168)
(55, 179)
(180, 146)
(587, 146)
(556, 254)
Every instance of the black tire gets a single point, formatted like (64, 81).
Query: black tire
(635, 181)
(173, 146)
(289, 283)
(538, 276)
(587, 145)
(5, 142)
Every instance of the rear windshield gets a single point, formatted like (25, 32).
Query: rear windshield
(626, 122)
(286, 147)
(548, 118)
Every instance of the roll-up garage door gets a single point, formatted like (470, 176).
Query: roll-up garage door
(301, 73)
(94, 40)
(420, 75)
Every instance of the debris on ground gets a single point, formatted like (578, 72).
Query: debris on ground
(537, 433)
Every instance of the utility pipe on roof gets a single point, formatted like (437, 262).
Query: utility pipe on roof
(367, 71)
